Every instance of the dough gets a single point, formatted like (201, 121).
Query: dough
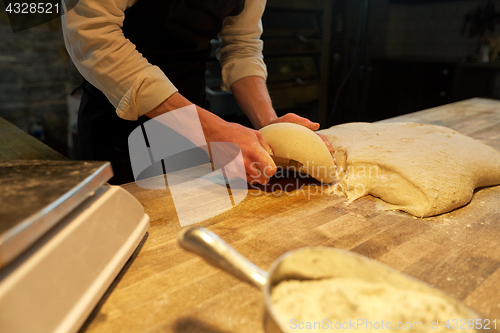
(301, 144)
(424, 170)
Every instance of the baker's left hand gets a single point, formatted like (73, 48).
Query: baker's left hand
(296, 119)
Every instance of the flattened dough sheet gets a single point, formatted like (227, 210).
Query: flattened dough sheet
(424, 170)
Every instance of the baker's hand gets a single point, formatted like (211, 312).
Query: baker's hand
(259, 166)
(255, 151)
(253, 98)
(296, 119)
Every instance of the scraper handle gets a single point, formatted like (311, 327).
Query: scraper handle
(218, 253)
(286, 163)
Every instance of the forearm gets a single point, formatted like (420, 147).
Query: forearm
(254, 149)
(253, 98)
(240, 52)
(208, 120)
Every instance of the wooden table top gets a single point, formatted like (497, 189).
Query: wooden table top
(165, 289)
(15, 144)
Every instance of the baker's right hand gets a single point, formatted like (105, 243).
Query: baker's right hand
(259, 166)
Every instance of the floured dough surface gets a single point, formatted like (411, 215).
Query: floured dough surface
(331, 286)
(301, 144)
(422, 169)
(374, 307)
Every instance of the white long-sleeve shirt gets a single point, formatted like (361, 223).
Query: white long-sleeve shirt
(94, 39)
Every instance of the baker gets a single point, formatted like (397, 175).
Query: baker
(140, 59)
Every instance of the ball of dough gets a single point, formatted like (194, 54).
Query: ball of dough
(303, 145)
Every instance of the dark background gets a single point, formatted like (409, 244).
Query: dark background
(333, 61)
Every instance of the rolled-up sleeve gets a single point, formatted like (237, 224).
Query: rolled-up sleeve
(240, 53)
(94, 39)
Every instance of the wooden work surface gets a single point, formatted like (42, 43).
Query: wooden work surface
(165, 289)
(15, 144)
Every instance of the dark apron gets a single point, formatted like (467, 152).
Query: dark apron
(173, 35)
